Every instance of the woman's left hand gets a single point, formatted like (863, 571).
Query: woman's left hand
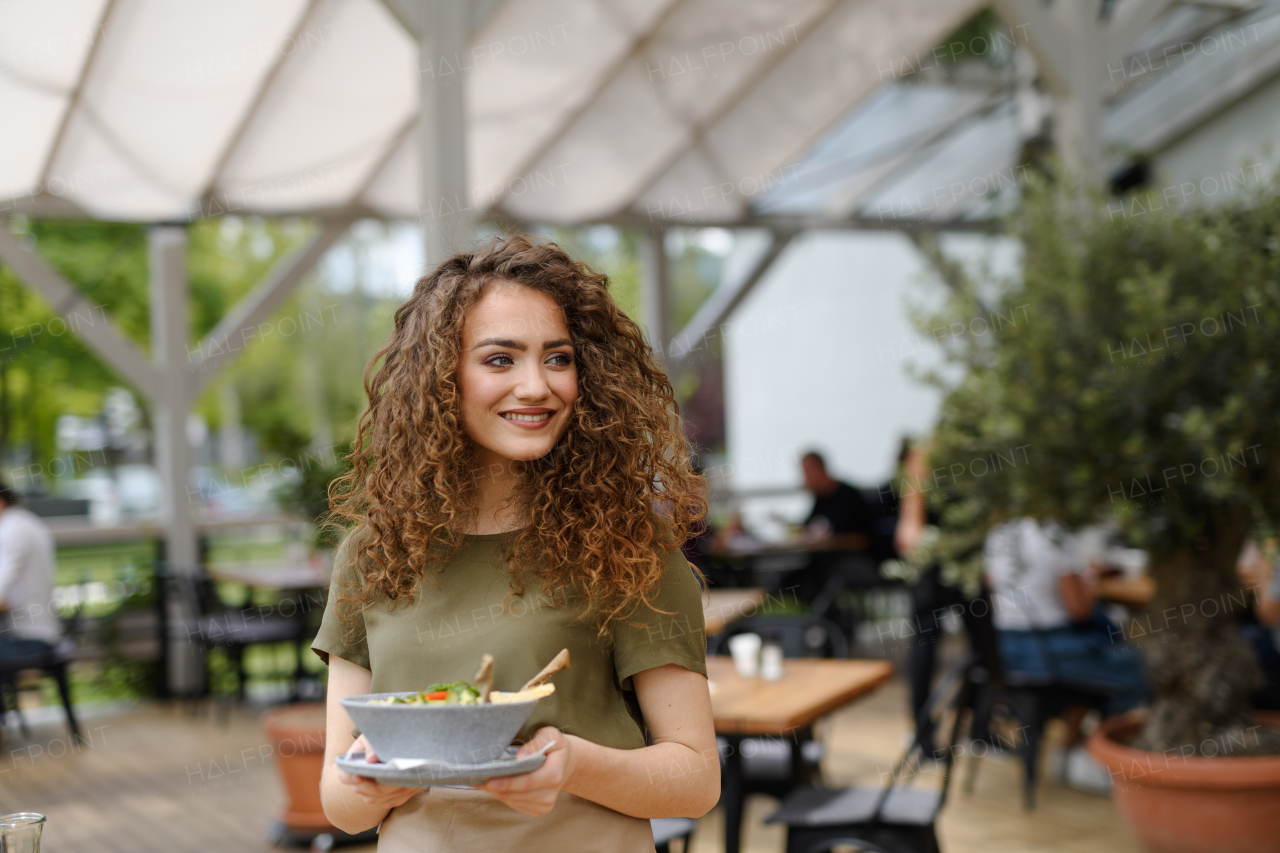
(535, 793)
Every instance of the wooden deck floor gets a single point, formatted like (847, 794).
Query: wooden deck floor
(158, 780)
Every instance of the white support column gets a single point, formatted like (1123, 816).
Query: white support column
(445, 208)
(1070, 45)
(1079, 115)
(655, 292)
(169, 331)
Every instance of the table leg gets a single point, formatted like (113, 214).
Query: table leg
(732, 795)
(800, 774)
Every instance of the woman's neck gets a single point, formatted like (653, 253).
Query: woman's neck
(497, 510)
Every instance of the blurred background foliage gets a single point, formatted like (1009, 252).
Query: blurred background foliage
(1133, 364)
(296, 387)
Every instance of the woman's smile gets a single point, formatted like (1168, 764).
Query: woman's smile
(528, 418)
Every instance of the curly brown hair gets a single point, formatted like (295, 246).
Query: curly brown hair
(616, 492)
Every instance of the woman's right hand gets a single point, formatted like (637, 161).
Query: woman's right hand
(372, 791)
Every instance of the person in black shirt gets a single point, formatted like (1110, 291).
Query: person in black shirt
(838, 509)
(839, 504)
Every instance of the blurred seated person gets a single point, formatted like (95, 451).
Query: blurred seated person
(1258, 571)
(838, 510)
(930, 598)
(28, 624)
(1044, 611)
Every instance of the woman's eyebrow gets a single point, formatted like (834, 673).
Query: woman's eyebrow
(560, 342)
(501, 342)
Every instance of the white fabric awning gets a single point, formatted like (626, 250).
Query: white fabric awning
(688, 110)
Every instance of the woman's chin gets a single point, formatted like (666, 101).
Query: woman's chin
(524, 453)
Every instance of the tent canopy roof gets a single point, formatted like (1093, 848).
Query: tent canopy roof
(647, 111)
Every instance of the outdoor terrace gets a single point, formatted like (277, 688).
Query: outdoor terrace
(157, 779)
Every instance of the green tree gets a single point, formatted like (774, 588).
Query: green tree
(1129, 375)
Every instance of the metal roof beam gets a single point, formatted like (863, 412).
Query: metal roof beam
(949, 270)
(97, 331)
(240, 324)
(1128, 22)
(411, 14)
(1044, 37)
(785, 223)
(1208, 104)
(724, 300)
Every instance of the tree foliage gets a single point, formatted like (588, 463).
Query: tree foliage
(1128, 374)
(47, 371)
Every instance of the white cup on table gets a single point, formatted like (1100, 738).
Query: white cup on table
(745, 649)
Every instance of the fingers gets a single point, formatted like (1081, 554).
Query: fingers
(539, 779)
(548, 777)
(376, 793)
(544, 735)
(369, 755)
(372, 791)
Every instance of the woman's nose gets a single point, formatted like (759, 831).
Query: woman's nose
(532, 384)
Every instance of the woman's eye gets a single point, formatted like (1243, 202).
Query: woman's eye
(561, 359)
(500, 361)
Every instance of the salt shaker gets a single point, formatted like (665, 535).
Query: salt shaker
(771, 660)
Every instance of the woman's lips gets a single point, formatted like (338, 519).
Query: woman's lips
(527, 421)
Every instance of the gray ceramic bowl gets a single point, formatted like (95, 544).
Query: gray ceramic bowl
(458, 734)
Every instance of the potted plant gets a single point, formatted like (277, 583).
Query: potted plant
(1133, 366)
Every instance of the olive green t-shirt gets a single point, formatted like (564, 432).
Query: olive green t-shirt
(460, 613)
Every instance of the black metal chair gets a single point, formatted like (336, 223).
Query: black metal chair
(51, 663)
(209, 623)
(1032, 700)
(668, 829)
(896, 818)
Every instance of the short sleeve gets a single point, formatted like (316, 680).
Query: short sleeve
(344, 639)
(1060, 550)
(675, 635)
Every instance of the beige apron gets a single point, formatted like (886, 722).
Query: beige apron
(445, 820)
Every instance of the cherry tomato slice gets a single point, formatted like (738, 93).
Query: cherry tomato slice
(439, 694)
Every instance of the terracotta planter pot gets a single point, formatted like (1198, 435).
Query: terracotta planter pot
(297, 740)
(1177, 804)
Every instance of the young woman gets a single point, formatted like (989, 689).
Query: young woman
(520, 485)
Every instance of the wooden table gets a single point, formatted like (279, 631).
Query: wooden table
(722, 606)
(745, 707)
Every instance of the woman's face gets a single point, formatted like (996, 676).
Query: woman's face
(518, 377)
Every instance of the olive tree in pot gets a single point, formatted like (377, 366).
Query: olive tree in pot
(1135, 365)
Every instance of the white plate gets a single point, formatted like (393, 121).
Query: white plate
(440, 772)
